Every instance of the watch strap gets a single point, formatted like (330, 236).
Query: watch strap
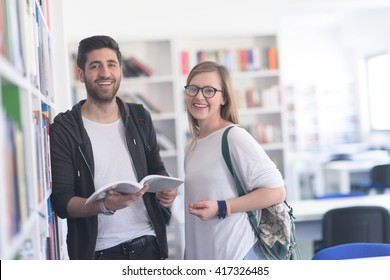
(103, 208)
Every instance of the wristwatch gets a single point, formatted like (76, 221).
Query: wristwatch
(103, 208)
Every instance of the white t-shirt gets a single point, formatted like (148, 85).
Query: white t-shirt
(208, 178)
(113, 163)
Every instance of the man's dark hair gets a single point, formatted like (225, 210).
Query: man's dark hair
(94, 43)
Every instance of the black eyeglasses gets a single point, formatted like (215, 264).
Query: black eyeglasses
(207, 92)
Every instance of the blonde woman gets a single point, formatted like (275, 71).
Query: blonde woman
(216, 225)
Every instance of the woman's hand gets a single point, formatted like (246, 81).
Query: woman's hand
(204, 209)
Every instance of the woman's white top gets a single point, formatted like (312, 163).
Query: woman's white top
(208, 178)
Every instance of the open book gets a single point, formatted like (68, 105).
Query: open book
(156, 183)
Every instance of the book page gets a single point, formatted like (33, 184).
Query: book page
(158, 183)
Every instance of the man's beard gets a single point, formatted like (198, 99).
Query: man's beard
(100, 98)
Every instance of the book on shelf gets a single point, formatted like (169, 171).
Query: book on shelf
(133, 67)
(156, 183)
(265, 59)
(144, 68)
(13, 211)
(37, 120)
(53, 249)
(129, 70)
(164, 142)
(46, 145)
(44, 4)
(272, 58)
(253, 98)
(22, 183)
(13, 40)
(270, 97)
(30, 52)
(266, 98)
(242, 56)
(140, 99)
(2, 30)
(256, 59)
(184, 63)
(267, 133)
(11, 103)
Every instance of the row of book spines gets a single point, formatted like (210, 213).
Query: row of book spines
(12, 107)
(20, 197)
(259, 98)
(28, 52)
(53, 239)
(135, 97)
(42, 144)
(16, 194)
(49, 243)
(266, 133)
(240, 60)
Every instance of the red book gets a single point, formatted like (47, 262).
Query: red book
(243, 55)
(272, 58)
(184, 62)
(141, 66)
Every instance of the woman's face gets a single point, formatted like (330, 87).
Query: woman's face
(201, 108)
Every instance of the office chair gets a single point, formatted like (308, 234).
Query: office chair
(353, 251)
(379, 179)
(356, 224)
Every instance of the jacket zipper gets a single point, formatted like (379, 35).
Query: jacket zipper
(90, 171)
(86, 162)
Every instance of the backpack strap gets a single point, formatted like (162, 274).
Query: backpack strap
(240, 190)
(137, 112)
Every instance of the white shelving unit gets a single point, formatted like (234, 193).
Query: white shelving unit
(28, 227)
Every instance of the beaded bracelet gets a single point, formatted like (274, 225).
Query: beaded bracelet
(222, 209)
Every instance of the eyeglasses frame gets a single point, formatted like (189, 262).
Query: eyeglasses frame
(201, 89)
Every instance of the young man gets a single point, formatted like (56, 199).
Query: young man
(98, 142)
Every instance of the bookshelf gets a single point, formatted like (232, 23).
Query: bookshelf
(29, 228)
